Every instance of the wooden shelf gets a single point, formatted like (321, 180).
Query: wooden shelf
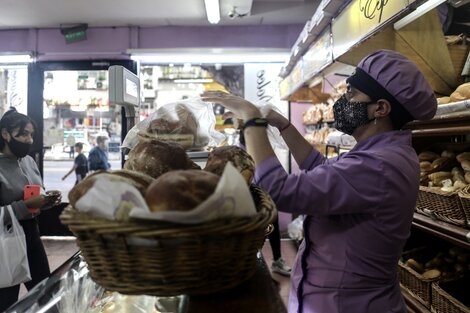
(451, 233)
(449, 124)
(413, 305)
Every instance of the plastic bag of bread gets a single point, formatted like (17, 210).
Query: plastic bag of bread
(190, 122)
(196, 196)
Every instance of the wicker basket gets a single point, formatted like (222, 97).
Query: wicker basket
(443, 302)
(414, 282)
(464, 196)
(443, 205)
(167, 259)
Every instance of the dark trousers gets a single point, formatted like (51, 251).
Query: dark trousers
(275, 240)
(38, 264)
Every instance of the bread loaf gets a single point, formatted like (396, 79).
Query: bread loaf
(427, 156)
(155, 157)
(461, 93)
(180, 190)
(467, 177)
(242, 161)
(463, 156)
(425, 166)
(465, 165)
(438, 177)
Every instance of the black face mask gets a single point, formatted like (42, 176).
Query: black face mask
(18, 148)
(350, 115)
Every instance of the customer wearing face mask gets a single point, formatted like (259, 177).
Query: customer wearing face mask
(359, 205)
(98, 155)
(18, 169)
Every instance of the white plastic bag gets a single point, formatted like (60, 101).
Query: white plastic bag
(296, 228)
(14, 266)
(274, 135)
(190, 116)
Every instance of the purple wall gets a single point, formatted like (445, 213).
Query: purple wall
(112, 42)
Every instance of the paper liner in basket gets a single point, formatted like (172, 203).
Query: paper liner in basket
(119, 201)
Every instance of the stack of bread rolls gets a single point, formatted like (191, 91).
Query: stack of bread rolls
(167, 179)
(448, 171)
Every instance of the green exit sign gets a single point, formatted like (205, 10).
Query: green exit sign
(75, 36)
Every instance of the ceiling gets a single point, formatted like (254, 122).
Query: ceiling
(102, 13)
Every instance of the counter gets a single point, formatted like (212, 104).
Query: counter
(258, 294)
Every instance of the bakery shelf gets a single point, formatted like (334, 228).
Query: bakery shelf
(454, 234)
(413, 305)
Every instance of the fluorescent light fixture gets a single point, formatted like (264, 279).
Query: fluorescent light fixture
(209, 56)
(193, 81)
(212, 11)
(15, 58)
(420, 11)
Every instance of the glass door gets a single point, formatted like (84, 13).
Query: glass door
(74, 108)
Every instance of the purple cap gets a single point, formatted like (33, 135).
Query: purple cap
(403, 80)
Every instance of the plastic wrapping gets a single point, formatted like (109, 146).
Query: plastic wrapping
(274, 135)
(295, 228)
(192, 121)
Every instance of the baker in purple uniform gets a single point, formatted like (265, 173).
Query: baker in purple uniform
(359, 206)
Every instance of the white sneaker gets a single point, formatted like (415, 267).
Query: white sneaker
(279, 266)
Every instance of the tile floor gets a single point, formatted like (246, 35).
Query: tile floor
(59, 249)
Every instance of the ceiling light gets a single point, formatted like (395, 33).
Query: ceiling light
(15, 58)
(420, 11)
(212, 11)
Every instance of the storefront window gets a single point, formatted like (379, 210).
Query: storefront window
(13, 88)
(76, 109)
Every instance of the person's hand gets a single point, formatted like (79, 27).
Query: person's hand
(239, 106)
(36, 201)
(277, 120)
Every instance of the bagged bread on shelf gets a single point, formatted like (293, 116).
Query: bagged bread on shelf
(190, 122)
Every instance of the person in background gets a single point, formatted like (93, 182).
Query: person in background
(358, 206)
(80, 164)
(18, 169)
(98, 155)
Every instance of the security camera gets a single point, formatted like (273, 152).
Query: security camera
(232, 13)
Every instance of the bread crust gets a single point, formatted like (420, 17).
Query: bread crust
(180, 190)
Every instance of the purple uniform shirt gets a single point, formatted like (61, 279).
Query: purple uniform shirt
(359, 209)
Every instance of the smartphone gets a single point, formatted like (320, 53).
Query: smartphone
(29, 191)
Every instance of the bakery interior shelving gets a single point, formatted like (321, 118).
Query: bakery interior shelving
(450, 130)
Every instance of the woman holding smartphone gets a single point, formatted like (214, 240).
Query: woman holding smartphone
(17, 170)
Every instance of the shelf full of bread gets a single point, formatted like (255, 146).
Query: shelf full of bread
(434, 282)
(317, 122)
(163, 226)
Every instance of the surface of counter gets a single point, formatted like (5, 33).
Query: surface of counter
(258, 294)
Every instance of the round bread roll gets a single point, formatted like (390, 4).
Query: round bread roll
(461, 93)
(155, 157)
(180, 190)
(219, 157)
(427, 156)
(138, 180)
(425, 166)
